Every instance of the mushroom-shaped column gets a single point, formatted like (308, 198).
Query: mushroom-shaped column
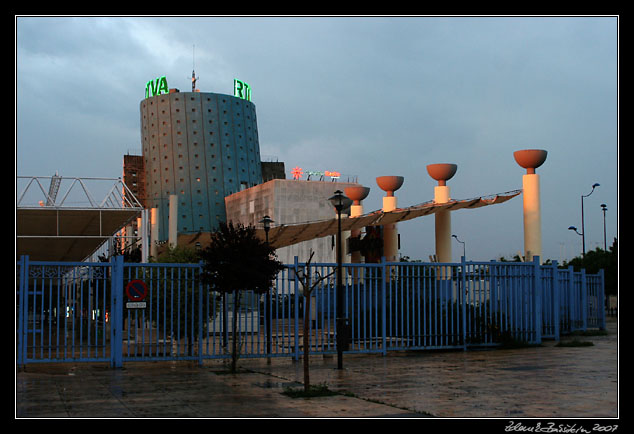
(531, 159)
(442, 173)
(356, 194)
(390, 184)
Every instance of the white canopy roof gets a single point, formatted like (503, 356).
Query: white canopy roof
(71, 225)
(284, 235)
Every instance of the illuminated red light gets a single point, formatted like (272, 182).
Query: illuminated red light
(297, 172)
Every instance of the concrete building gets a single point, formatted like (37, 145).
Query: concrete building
(134, 179)
(273, 170)
(134, 176)
(289, 201)
(197, 148)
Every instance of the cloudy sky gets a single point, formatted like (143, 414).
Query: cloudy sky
(365, 96)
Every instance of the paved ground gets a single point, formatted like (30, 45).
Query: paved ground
(540, 382)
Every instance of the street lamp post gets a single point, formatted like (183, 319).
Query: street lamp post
(574, 228)
(266, 222)
(464, 249)
(340, 202)
(604, 207)
(583, 229)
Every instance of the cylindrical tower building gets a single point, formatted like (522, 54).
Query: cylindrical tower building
(201, 147)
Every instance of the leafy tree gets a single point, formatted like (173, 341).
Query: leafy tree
(592, 262)
(235, 261)
(177, 255)
(515, 258)
(598, 259)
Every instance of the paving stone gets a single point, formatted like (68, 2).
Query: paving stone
(537, 382)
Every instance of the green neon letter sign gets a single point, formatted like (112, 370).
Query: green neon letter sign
(156, 87)
(241, 89)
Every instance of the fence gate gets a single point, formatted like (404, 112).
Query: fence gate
(62, 311)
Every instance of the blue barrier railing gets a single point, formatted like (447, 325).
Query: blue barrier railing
(119, 312)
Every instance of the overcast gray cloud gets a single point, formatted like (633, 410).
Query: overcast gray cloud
(367, 96)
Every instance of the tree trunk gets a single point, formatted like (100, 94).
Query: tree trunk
(306, 343)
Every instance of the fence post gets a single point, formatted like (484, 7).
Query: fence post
(493, 293)
(537, 297)
(23, 312)
(116, 301)
(570, 299)
(463, 302)
(200, 313)
(584, 300)
(383, 305)
(296, 307)
(555, 299)
(601, 300)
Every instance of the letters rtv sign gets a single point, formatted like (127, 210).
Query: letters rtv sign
(241, 89)
(158, 86)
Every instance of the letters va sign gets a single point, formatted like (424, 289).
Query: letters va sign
(156, 87)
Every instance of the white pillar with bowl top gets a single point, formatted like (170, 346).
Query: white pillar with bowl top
(390, 184)
(531, 159)
(442, 173)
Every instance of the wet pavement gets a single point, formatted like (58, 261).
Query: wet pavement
(548, 381)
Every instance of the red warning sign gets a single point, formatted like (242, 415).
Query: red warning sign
(136, 290)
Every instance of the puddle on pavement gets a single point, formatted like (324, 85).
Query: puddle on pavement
(523, 368)
(276, 384)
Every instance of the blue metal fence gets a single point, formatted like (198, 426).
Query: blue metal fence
(88, 311)
(62, 311)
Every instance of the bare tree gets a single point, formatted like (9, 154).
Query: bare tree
(308, 285)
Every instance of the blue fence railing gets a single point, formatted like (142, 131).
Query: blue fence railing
(119, 312)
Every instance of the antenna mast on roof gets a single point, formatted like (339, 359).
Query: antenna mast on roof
(194, 78)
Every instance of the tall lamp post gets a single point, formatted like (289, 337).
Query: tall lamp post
(574, 228)
(583, 229)
(266, 222)
(604, 207)
(340, 202)
(464, 249)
